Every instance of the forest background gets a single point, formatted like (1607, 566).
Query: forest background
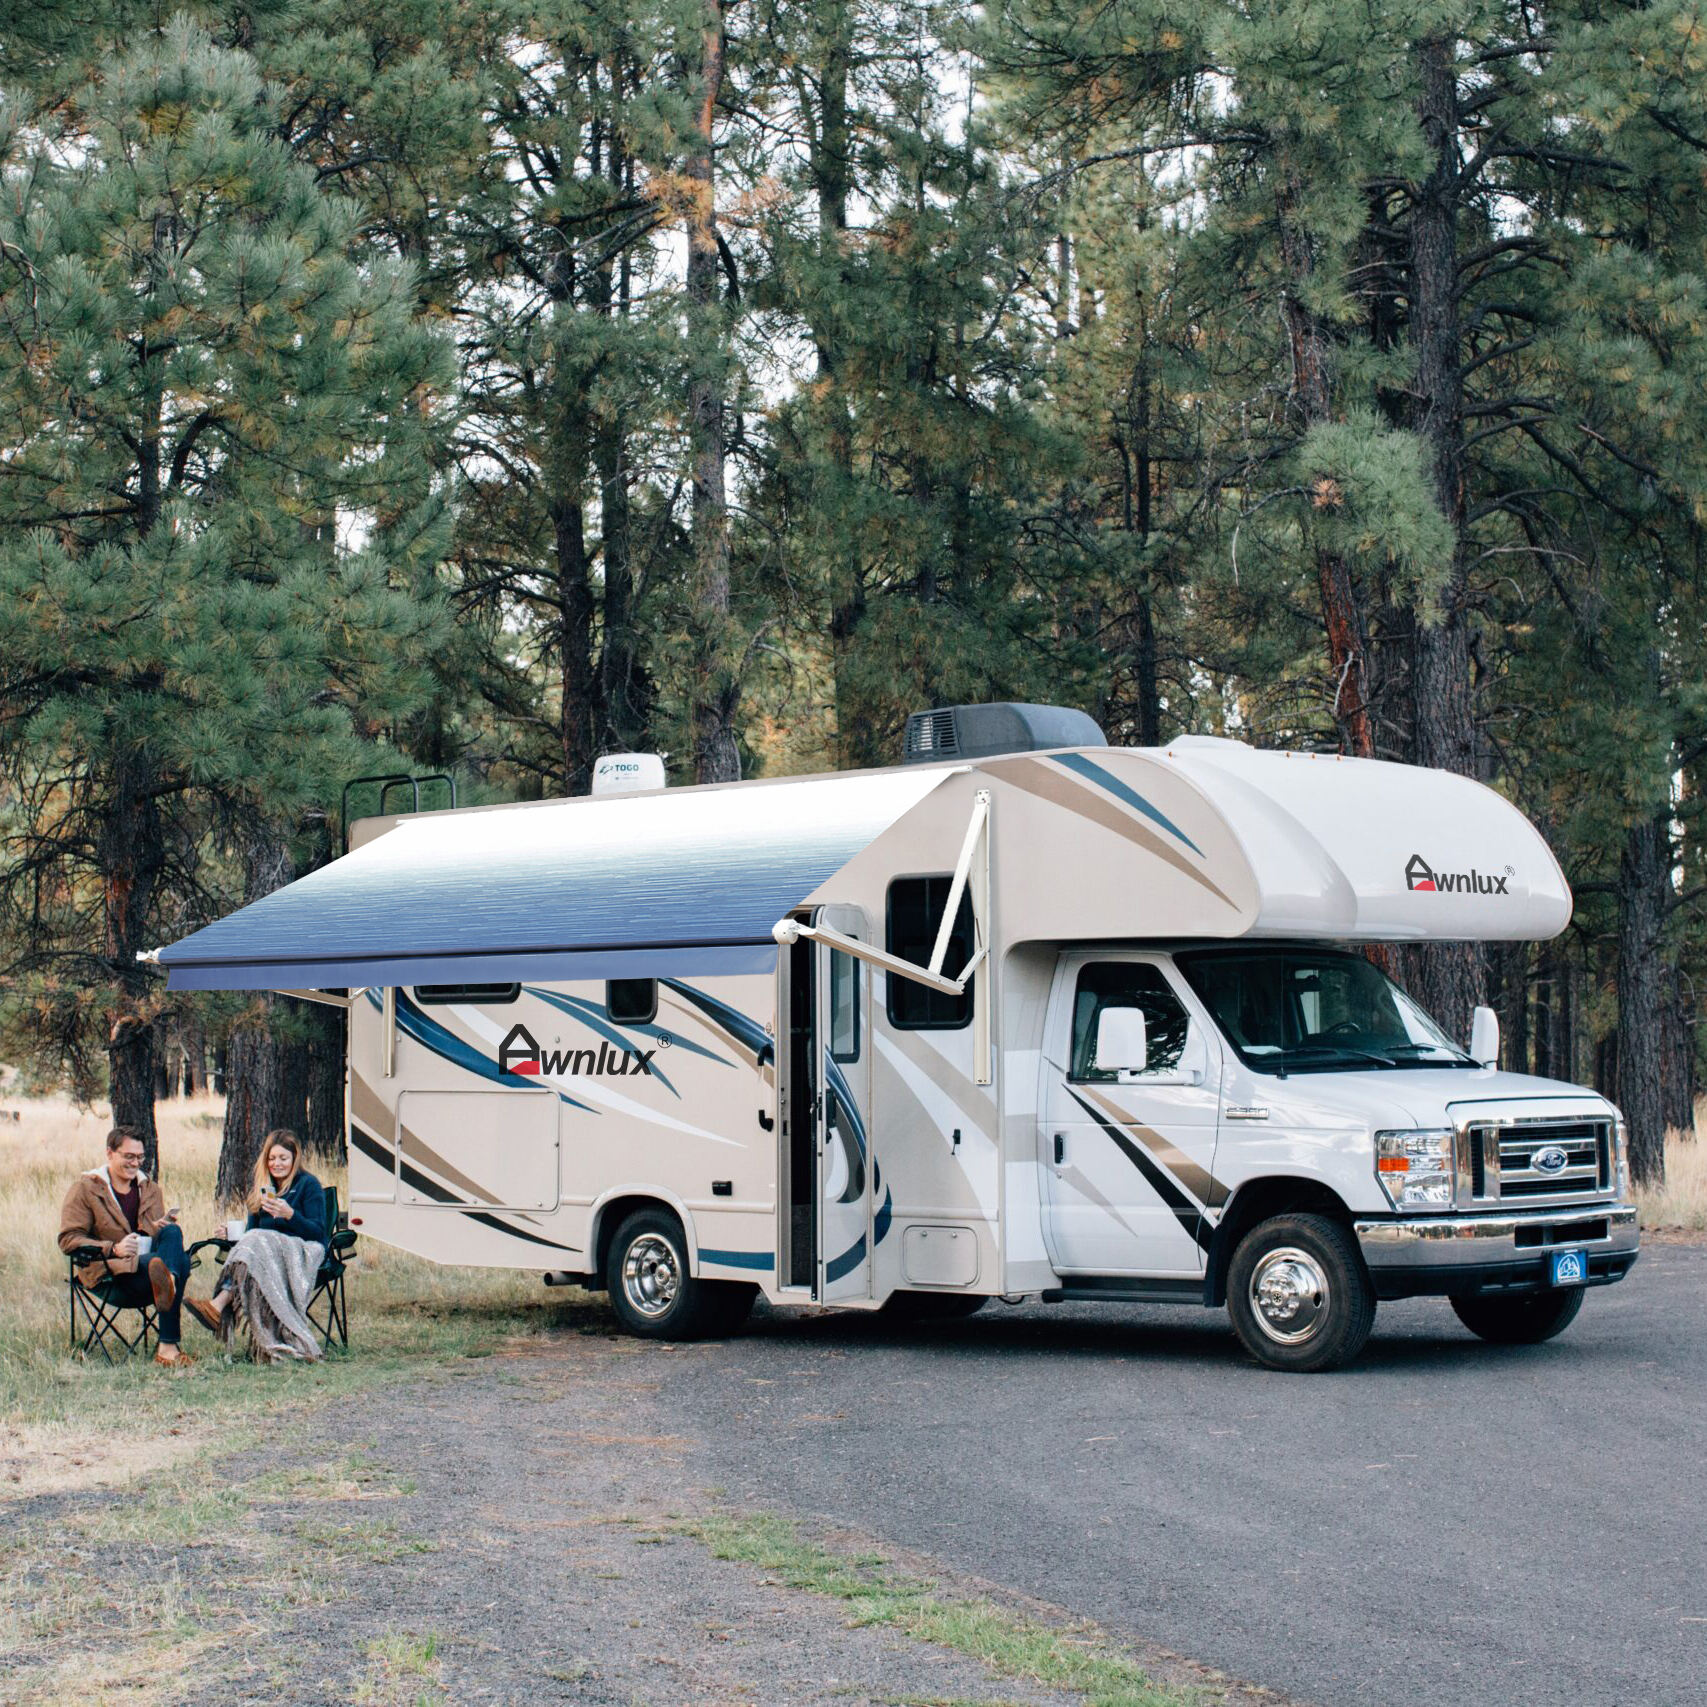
(477, 388)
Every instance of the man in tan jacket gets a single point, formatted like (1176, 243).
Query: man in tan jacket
(122, 1212)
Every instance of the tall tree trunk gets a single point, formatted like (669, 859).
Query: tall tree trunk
(714, 687)
(1644, 889)
(1312, 402)
(257, 1061)
(1449, 979)
(132, 857)
(1137, 511)
(323, 1129)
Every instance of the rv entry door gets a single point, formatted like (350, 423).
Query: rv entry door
(841, 1060)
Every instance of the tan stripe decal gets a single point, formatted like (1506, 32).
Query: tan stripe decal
(416, 1151)
(712, 1028)
(1035, 777)
(1202, 1184)
(367, 1106)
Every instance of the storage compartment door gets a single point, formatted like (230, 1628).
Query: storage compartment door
(479, 1149)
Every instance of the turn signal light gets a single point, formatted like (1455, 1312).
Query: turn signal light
(1393, 1165)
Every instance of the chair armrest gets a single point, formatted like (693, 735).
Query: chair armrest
(220, 1244)
(343, 1240)
(85, 1253)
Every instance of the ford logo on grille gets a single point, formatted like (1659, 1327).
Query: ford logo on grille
(1550, 1160)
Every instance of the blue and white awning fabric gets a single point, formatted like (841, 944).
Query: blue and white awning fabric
(681, 883)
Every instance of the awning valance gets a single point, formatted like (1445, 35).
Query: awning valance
(687, 882)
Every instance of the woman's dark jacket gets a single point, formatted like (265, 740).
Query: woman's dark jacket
(308, 1220)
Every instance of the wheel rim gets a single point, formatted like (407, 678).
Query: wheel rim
(651, 1275)
(1289, 1295)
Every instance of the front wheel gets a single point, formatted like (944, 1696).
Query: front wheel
(1298, 1294)
(652, 1292)
(1522, 1318)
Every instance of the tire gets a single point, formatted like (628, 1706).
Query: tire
(1522, 1318)
(930, 1306)
(651, 1291)
(1299, 1294)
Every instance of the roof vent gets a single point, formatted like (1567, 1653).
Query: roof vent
(628, 773)
(982, 731)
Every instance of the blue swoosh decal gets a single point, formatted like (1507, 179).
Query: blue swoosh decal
(1093, 772)
(739, 1259)
(449, 1047)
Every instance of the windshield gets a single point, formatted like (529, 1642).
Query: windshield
(1312, 1010)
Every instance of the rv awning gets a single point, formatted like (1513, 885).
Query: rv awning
(683, 882)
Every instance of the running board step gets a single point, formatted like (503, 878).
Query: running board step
(1116, 1289)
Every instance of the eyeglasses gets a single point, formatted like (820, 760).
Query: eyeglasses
(129, 1155)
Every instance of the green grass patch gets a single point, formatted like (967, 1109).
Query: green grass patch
(1012, 1645)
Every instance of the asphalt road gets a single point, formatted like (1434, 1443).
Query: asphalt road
(1443, 1523)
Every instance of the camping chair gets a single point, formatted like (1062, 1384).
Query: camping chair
(328, 1306)
(97, 1313)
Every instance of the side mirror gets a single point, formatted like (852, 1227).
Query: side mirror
(1485, 1037)
(1122, 1045)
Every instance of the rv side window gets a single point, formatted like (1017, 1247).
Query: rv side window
(844, 1007)
(632, 1001)
(915, 911)
(1127, 984)
(477, 995)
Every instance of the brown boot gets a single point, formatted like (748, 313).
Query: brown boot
(208, 1314)
(165, 1286)
(173, 1357)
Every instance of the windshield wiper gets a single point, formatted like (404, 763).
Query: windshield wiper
(1344, 1050)
(1453, 1057)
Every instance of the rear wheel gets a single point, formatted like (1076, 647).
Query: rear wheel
(1298, 1294)
(652, 1292)
(1523, 1318)
(930, 1306)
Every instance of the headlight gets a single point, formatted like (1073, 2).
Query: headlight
(1415, 1168)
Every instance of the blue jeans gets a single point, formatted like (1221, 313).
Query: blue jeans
(135, 1290)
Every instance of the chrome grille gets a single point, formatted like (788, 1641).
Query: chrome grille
(1506, 1156)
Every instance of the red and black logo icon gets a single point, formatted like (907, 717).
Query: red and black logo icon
(1420, 875)
(519, 1053)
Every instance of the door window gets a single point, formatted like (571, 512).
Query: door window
(1128, 984)
(844, 1008)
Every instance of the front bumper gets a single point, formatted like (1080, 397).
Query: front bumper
(1457, 1254)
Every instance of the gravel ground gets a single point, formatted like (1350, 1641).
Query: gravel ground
(503, 1531)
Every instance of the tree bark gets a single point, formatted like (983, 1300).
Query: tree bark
(714, 687)
(1311, 350)
(256, 1060)
(1644, 888)
(1449, 979)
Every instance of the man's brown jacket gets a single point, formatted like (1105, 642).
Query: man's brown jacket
(91, 1216)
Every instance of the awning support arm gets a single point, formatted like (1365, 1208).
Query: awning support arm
(962, 870)
(324, 997)
(788, 931)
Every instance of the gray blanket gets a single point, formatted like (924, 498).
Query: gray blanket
(272, 1278)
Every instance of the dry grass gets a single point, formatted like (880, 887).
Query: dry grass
(65, 1424)
(1680, 1205)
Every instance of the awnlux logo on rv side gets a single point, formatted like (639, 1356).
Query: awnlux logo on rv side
(520, 1053)
(1419, 874)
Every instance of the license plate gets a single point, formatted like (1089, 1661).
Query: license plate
(1567, 1268)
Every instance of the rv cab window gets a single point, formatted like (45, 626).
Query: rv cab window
(476, 995)
(632, 1001)
(915, 912)
(1127, 984)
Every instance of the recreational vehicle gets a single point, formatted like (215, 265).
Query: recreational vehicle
(1024, 1015)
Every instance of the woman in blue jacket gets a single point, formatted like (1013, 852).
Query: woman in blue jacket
(285, 1198)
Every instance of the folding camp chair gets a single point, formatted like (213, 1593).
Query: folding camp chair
(98, 1311)
(328, 1306)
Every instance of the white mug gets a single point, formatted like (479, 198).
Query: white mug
(144, 1245)
(234, 1229)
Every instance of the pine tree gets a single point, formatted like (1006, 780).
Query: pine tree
(204, 384)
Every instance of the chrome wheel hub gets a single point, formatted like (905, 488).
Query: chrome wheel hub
(1289, 1295)
(651, 1275)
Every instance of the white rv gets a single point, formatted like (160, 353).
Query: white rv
(1026, 1015)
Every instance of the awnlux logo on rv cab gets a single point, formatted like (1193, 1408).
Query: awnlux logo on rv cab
(1419, 874)
(520, 1053)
